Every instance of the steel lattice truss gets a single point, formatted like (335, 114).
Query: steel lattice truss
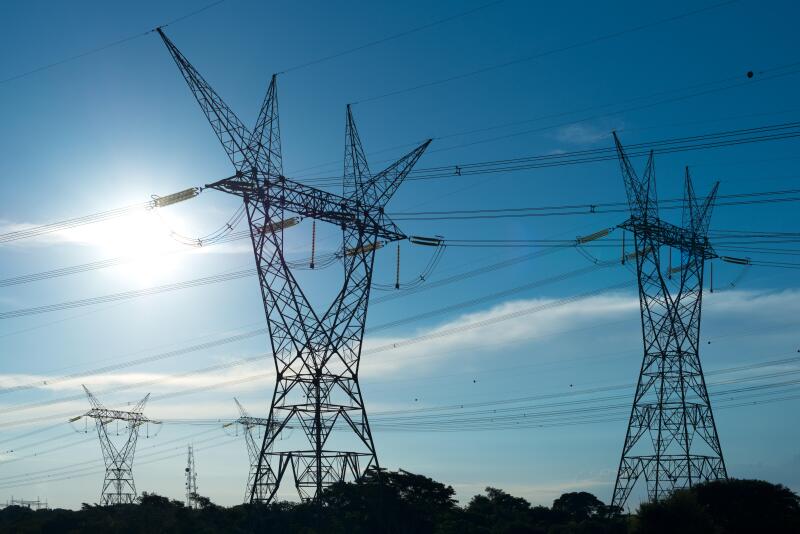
(191, 479)
(255, 430)
(316, 355)
(118, 485)
(672, 439)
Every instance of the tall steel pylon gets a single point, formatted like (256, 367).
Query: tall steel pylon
(255, 430)
(316, 355)
(671, 404)
(118, 485)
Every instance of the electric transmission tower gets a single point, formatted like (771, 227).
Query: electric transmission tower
(118, 485)
(316, 355)
(191, 479)
(672, 439)
(255, 430)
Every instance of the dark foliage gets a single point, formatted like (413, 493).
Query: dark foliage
(402, 502)
(724, 506)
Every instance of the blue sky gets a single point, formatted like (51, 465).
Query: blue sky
(112, 128)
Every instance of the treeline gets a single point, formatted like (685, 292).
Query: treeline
(402, 502)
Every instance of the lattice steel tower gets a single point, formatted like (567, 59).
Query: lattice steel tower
(316, 355)
(118, 485)
(255, 430)
(671, 405)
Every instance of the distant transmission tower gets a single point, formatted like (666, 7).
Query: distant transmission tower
(672, 438)
(118, 486)
(255, 430)
(191, 479)
(37, 504)
(316, 355)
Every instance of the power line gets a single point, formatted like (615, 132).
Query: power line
(391, 419)
(391, 37)
(437, 334)
(720, 139)
(589, 208)
(66, 224)
(496, 417)
(249, 333)
(463, 243)
(126, 295)
(763, 75)
(159, 445)
(464, 214)
(553, 51)
(106, 46)
(82, 472)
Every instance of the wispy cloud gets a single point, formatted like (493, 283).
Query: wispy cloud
(531, 321)
(583, 133)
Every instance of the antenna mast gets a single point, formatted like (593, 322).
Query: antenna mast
(191, 479)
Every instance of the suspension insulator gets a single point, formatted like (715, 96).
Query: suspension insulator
(273, 227)
(426, 241)
(737, 261)
(313, 242)
(363, 250)
(674, 270)
(174, 198)
(591, 237)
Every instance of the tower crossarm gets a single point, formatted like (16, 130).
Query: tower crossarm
(663, 233)
(672, 440)
(106, 415)
(316, 355)
(310, 202)
(252, 422)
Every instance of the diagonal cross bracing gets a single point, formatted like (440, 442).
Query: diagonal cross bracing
(254, 428)
(672, 438)
(118, 484)
(316, 355)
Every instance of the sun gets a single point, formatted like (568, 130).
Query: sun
(140, 246)
(148, 244)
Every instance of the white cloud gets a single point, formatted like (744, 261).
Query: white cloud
(753, 303)
(581, 134)
(531, 319)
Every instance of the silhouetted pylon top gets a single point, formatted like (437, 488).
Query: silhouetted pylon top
(105, 415)
(643, 203)
(258, 161)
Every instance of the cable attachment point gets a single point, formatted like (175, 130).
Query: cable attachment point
(174, 198)
(426, 241)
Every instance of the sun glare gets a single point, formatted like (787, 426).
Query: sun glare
(141, 241)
